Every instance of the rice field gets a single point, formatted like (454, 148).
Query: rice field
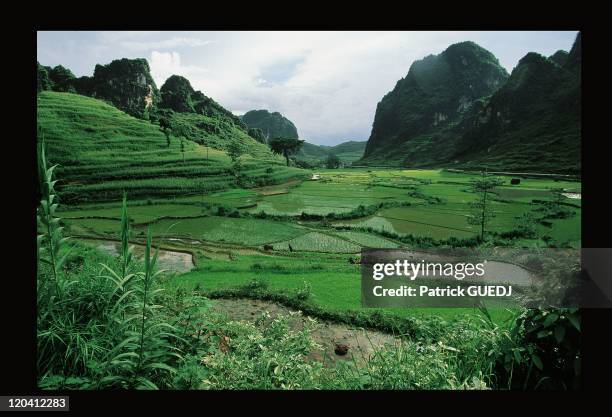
(434, 203)
(247, 232)
(286, 252)
(318, 242)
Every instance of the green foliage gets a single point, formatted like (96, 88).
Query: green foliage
(285, 146)
(482, 211)
(315, 155)
(43, 82)
(62, 79)
(332, 162)
(126, 83)
(542, 350)
(166, 127)
(99, 331)
(434, 96)
(215, 132)
(257, 134)
(234, 151)
(50, 240)
(176, 94)
(263, 355)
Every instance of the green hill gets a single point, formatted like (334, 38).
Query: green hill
(348, 152)
(203, 120)
(312, 153)
(103, 151)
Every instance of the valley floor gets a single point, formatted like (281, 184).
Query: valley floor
(308, 231)
(263, 285)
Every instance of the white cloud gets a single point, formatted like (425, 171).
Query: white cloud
(164, 44)
(165, 64)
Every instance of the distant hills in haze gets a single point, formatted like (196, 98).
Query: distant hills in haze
(274, 125)
(347, 152)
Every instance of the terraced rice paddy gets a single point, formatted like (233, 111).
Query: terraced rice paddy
(264, 233)
(103, 152)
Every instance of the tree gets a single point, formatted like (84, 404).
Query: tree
(234, 150)
(333, 162)
(43, 82)
(62, 79)
(286, 146)
(481, 208)
(166, 127)
(181, 131)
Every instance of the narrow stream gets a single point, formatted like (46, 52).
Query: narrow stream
(174, 261)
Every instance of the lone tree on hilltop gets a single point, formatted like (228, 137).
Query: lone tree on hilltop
(286, 147)
(482, 211)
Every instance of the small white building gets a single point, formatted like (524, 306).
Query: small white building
(315, 177)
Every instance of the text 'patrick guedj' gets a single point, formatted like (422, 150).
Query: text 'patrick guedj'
(412, 270)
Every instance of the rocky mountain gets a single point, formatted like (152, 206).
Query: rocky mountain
(178, 95)
(559, 57)
(434, 96)
(533, 122)
(203, 119)
(460, 108)
(272, 125)
(125, 83)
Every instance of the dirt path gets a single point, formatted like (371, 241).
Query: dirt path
(361, 343)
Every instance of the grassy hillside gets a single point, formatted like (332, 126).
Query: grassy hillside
(103, 151)
(217, 133)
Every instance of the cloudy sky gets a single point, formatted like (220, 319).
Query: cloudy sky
(327, 83)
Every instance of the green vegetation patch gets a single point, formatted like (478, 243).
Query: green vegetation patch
(318, 242)
(248, 232)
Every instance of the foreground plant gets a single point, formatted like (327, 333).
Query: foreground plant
(143, 348)
(99, 331)
(49, 240)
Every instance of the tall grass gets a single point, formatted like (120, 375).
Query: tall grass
(99, 330)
